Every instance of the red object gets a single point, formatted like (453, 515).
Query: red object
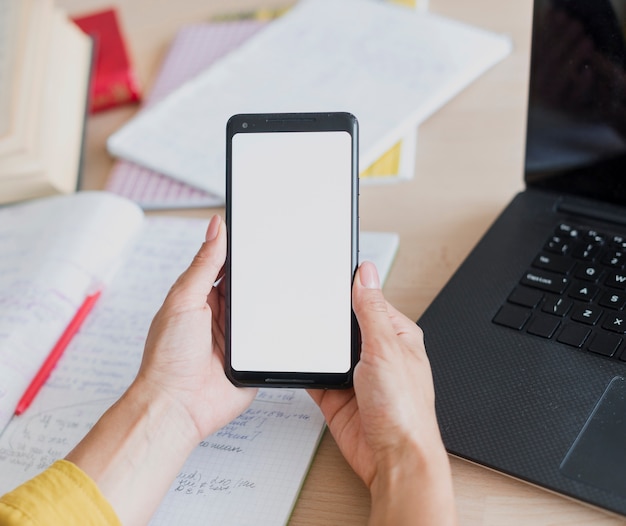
(114, 82)
(56, 353)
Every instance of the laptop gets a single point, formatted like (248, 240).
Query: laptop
(527, 341)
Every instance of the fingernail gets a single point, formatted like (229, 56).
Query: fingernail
(369, 275)
(214, 227)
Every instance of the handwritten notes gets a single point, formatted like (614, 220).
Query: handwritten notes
(248, 472)
(250, 469)
(54, 252)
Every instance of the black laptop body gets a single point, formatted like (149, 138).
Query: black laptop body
(527, 341)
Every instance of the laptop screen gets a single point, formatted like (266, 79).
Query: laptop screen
(576, 130)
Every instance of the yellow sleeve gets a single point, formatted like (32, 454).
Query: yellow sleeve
(62, 495)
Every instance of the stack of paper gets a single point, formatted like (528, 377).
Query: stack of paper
(389, 66)
(195, 48)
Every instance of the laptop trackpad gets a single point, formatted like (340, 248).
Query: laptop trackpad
(598, 455)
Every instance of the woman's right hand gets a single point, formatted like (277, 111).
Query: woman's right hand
(386, 426)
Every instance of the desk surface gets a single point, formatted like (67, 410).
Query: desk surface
(469, 165)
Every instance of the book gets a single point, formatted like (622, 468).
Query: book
(22, 60)
(320, 56)
(114, 80)
(56, 250)
(194, 49)
(44, 86)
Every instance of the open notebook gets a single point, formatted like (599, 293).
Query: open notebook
(249, 472)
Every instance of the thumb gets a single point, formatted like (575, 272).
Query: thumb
(195, 283)
(370, 306)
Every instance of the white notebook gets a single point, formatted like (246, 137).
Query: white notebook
(389, 66)
(248, 472)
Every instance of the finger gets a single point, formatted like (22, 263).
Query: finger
(370, 306)
(196, 283)
(317, 395)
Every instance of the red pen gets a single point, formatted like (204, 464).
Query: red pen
(58, 349)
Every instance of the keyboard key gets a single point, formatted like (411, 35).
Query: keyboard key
(554, 263)
(544, 280)
(574, 335)
(583, 291)
(613, 299)
(616, 280)
(526, 297)
(587, 314)
(606, 344)
(558, 245)
(588, 273)
(619, 242)
(614, 258)
(566, 230)
(557, 305)
(586, 251)
(615, 323)
(544, 325)
(512, 316)
(593, 236)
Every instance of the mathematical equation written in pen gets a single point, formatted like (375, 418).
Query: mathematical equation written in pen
(260, 457)
(42, 438)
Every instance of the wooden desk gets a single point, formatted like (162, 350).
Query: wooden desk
(469, 165)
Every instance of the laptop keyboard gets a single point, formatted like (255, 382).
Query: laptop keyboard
(574, 292)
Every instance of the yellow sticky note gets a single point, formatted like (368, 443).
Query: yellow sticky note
(387, 165)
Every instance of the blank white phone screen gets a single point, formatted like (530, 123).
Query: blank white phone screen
(291, 269)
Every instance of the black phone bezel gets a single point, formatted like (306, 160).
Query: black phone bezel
(292, 122)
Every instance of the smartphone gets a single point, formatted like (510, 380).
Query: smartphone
(292, 218)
